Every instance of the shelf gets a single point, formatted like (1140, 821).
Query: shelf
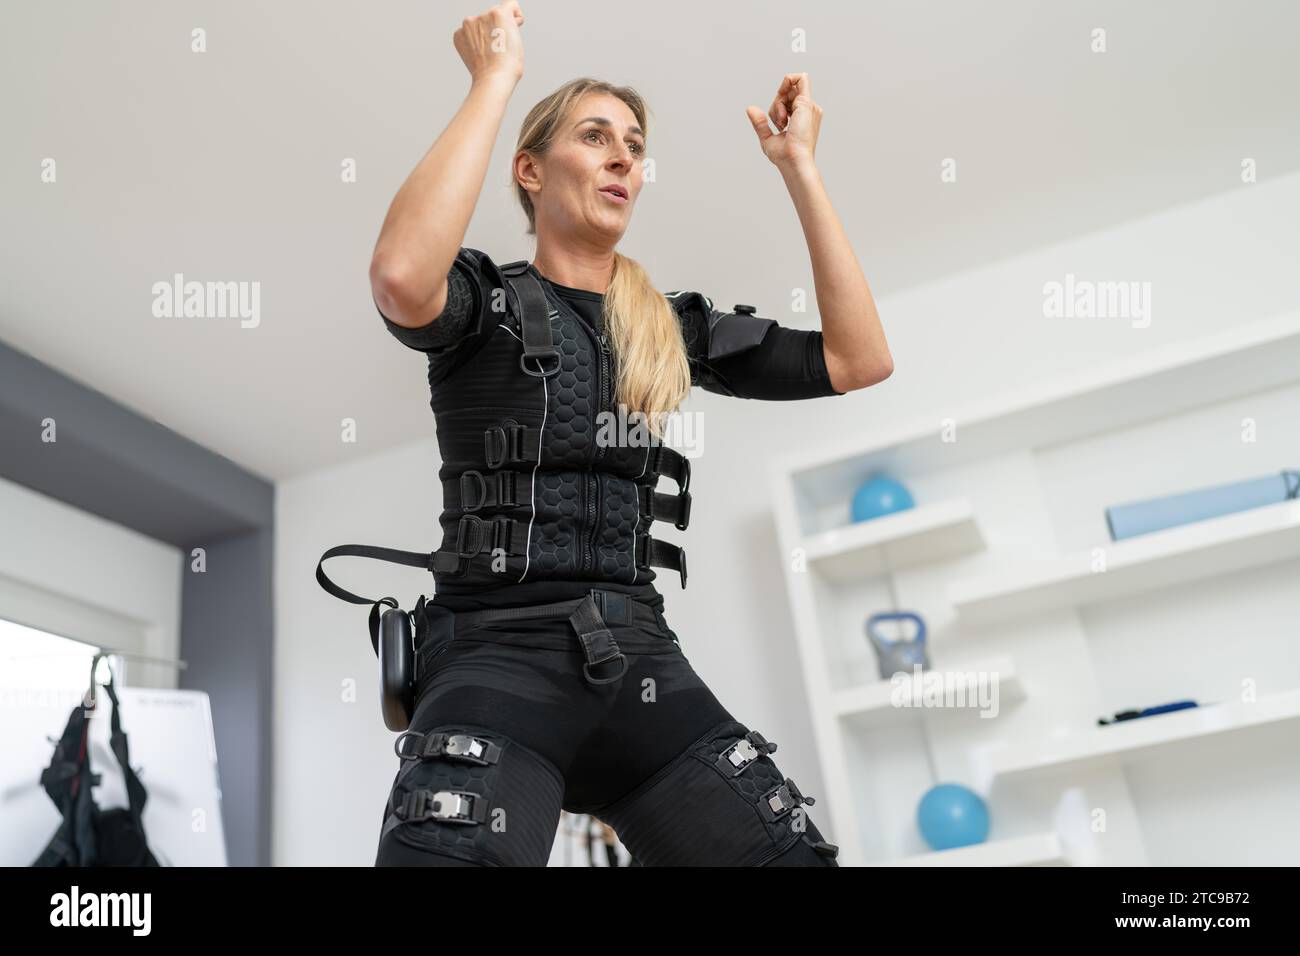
(1146, 386)
(1040, 849)
(1209, 548)
(871, 705)
(916, 536)
(1133, 739)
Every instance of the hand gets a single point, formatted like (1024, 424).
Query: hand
(797, 118)
(490, 43)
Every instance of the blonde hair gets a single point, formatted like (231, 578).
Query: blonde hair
(652, 374)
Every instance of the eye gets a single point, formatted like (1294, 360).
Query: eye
(637, 148)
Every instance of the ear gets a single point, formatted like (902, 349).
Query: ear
(527, 171)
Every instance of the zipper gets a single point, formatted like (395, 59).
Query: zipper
(601, 341)
(593, 497)
(604, 383)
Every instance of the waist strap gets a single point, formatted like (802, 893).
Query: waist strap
(475, 536)
(591, 617)
(475, 490)
(614, 607)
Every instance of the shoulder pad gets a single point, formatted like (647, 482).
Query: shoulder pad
(724, 333)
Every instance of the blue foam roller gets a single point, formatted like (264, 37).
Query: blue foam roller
(1156, 514)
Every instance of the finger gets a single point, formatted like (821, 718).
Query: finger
(758, 119)
(799, 84)
(780, 115)
(793, 86)
(798, 90)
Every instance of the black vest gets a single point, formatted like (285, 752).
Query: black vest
(537, 482)
(89, 836)
(532, 491)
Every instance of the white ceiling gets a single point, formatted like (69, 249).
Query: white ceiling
(225, 166)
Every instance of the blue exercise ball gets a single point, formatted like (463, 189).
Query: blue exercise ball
(951, 815)
(880, 495)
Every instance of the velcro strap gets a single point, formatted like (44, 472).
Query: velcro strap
(654, 553)
(665, 461)
(541, 357)
(657, 506)
(598, 644)
(475, 536)
(474, 490)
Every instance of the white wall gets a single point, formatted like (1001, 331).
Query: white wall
(80, 576)
(1229, 258)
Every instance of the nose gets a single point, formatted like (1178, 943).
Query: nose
(622, 157)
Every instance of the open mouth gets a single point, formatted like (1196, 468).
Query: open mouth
(615, 192)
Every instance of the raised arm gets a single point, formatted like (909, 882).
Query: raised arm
(856, 352)
(426, 223)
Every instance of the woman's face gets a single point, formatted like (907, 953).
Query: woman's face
(599, 147)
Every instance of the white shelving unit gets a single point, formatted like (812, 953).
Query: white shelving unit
(1132, 740)
(1004, 553)
(1205, 549)
(1039, 849)
(883, 703)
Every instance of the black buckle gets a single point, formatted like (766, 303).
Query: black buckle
(587, 671)
(464, 747)
(681, 553)
(685, 519)
(448, 806)
(785, 797)
(506, 482)
(473, 481)
(614, 607)
(501, 533)
(743, 752)
(686, 476)
(467, 487)
(475, 525)
(541, 371)
(507, 435)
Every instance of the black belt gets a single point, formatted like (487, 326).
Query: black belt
(591, 616)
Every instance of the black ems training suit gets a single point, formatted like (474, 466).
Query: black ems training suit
(546, 676)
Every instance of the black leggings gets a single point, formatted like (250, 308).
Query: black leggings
(508, 730)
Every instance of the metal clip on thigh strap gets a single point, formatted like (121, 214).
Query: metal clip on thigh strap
(598, 644)
(535, 321)
(463, 747)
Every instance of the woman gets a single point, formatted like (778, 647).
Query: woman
(557, 683)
